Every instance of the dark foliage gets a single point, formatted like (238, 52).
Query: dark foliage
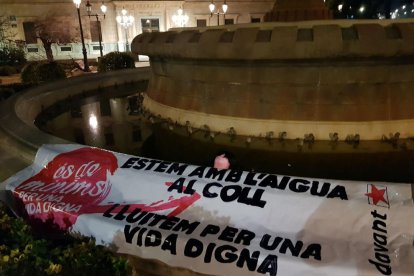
(116, 61)
(37, 72)
(12, 56)
(24, 253)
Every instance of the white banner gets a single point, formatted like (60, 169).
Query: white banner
(221, 222)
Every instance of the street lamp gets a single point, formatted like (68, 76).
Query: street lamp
(125, 21)
(103, 10)
(85, 57)
(180, 19)
(212, 7)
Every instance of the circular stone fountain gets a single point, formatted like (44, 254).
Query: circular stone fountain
(342, 89)
(344, 77)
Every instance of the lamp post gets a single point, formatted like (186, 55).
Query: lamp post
(180, 18)
(85, 57)
(125, 21)
(212, 8)
(103, 10)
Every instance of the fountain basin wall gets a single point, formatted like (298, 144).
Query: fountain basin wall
(315, 77)
(17, 114)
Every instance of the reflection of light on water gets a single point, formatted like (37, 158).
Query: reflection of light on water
(93, 121)
(93, 135)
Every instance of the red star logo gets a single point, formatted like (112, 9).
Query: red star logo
(377, 195)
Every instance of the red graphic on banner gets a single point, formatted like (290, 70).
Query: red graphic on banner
(68, 185)
(376, 195)
(76, 183)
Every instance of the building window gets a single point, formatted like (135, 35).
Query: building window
(229, 21)
(255, 20)
(150, 25)
(96, 48)
(95, 27)
(32, 50)
(201, 23)
(65, 48)
(29, 32)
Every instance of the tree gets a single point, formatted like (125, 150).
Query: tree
(6, 33)
(11, 50)
(56, 29)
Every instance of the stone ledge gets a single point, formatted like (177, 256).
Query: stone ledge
(299, 40)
